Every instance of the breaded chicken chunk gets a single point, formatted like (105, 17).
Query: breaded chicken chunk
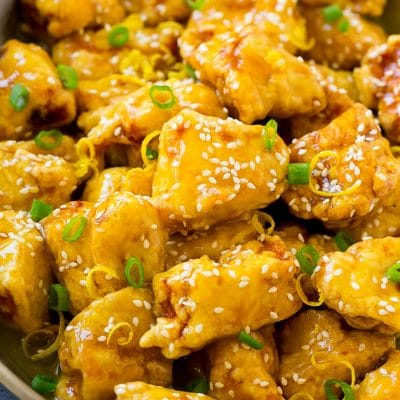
(251, 285)
(100, 347)
(353, 169)
(383, 382)
(378, 81)
(211, 170)
(254, 78)
(338, 48)
(32, 96)
(322, 337)
(143, 391)
(114, 230)
(25, 272)
(355, 284)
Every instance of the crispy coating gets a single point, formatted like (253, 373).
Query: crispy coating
(25, 272)
(133, 117)
(63, 17)
(322, 334)
(119, 179)
(378, 82)
(359, 158)
(143, 391)
(91, 354)
(238, 371)
(120, 227)
(27, 173)
(341, 50)
(49, 104)
(251, 285)
(211, 170)
(354, 282)
(383, 383)
(254, 78)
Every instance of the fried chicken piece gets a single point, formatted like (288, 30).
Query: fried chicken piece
(254, 78)
(143, 391)
(100, 346)
(341, 50)
(25, 272)
(381, 383)
(252, 285)
(321, 334)
(133, 117)
(120, 179)
(48, 104)
(211, 170)
(63, 17)
(118, 228)
(378, 82)
(354, 283)
(355, 170)
(238, 371)
(28, 173)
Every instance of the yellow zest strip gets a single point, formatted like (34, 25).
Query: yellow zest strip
(298, 37)
(90, 284)
(303, 297)
(395, 150)
(259, 225)
(121, 341)
(322, 365)
(314, 162)
(145, 143)
(48, 351)
(86, 158)
(301, 396)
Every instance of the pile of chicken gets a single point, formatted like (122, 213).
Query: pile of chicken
(182, 184)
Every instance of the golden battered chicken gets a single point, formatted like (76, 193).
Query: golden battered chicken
(378, 82)
(354, 283)
(133, 117)
(63, 17)
(254, 78)
(341, 50)
(251, 285)
(114, 230)
(238, 371)
(27, 173)
(25, 272)
(322, 335)
(383, 383)
(143, 391)
(211, 170)
(353, 170)
(41, 102)
(100, 347)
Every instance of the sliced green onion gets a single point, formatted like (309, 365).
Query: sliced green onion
(393, 273)
(40, 210)
(270, 133)
(44, 383)
(19, 97)
(299, 173)
(332, 13)
(198, 385)
(196, 4)
(190, 71)
(344, 25)
(346, 389)
(68, 76)
(48, 140)
(134, 261)
(68, 233)
(308, 258)
(151, 154)
(58, 297)
(250, 341)
(162, 89)
(118, 36)
(343, 240)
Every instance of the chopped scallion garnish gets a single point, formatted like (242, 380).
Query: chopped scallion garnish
(332, 13)
(343, 240)
(58, 298)
(198, 385)
(151, 154)
(299, 173)
(68, 76)
(131, 263)
(346, 389)
(393, 273)
(68, 234)
(270, 132)
(44, 384)
(308, 258)
(19, 97)
(250, 340)
(118, 36)
(195, 4)
(344, 25)
(162, 90)
(40, 210)
(48, 140)
(190, 71)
